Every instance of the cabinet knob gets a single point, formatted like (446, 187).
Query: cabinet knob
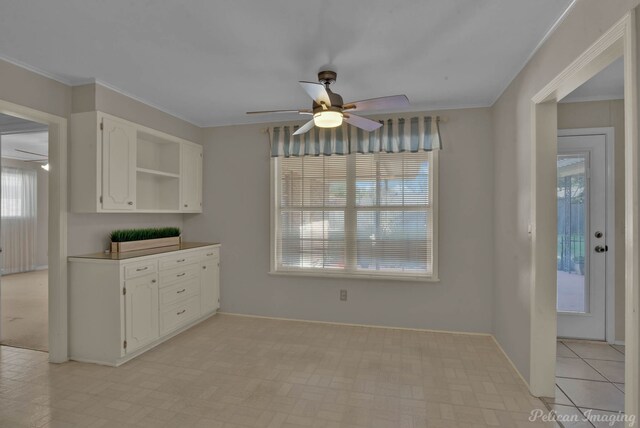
(130, 203)
(153, 281)
(186, 205)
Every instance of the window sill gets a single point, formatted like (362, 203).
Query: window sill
(367, 276)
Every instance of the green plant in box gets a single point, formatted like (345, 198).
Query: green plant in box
(127, 235)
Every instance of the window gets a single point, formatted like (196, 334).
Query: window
(18, 193)
(355, 215)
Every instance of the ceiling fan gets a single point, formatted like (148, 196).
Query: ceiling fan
(328, 109)
(44, 162)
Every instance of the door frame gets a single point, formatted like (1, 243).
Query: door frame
(57, 239)
(618, 41)
(610, 225)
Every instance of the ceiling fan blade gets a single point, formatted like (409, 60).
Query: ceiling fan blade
(362, 122)
(280, 111)
(304, 128)
(30, 153)
(317, 91)
(383, 103)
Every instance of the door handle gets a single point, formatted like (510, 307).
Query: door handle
(601, 248)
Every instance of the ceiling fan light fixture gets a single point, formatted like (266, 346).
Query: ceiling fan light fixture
(327, 119)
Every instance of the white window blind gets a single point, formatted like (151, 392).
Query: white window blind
(360, 214)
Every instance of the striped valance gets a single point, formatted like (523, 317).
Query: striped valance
(395, 136)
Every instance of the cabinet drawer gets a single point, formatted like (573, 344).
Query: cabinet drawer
(210, 254)
(179, 291)
(179, 274)
(134, 270)
(179, 314)
(177, 260)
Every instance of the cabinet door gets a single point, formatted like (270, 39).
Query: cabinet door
(191, 178)
(210, 286)
(141, 312)
(118, 165)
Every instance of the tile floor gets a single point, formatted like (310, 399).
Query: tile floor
(235, 372)
(589, 378)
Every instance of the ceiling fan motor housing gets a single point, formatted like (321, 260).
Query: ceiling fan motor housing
(328, 77)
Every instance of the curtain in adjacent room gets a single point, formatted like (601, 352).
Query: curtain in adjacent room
(18, 219)
(396, 135)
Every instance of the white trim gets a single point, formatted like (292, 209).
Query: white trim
(535, 50)
(510, 361)
(58, 316)
(610, 232)
(355, 275)
(425, 330)
(53, 76)
(591, 98)
(618, 41)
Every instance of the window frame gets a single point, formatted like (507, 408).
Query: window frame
(326, 273)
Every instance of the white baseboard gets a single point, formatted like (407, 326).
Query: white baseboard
(619, 342)
(42, 267)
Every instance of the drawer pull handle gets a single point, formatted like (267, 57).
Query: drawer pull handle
(180, 260)
(142, 268)
(181, 312)
(181, 274)
(209, 254)
(181, 291)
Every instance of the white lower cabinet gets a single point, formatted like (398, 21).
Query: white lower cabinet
(121, 306)
(141, 312)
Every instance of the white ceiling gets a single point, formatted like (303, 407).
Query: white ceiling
(606, 85)
(209, 62)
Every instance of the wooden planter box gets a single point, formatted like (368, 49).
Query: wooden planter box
(122, 247)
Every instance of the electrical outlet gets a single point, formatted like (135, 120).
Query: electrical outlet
(343, 295)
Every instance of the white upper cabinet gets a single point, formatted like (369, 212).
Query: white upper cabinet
(120, 166)
(191, 178)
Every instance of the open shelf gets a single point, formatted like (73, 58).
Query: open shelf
(156, 172)
(156, 155)
(157, 192)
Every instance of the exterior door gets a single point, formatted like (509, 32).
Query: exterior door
(118, 165)
(141, 312)
(582, 238)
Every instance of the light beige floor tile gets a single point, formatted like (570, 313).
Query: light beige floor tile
(560, 398)
(612, 370)
(570, 417)
(591, 394)
(247, 372)
(602, 419)
(596, 351)
(576, 368)
(619, 348)
(563, 351)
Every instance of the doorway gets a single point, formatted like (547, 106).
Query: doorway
(619, 41)
(24, 147)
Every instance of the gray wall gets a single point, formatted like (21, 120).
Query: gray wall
(236, 213)
(587, 21)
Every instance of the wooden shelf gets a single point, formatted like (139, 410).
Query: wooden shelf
(156, 172)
